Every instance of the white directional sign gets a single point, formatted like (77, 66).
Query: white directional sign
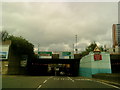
(45, 54)
(4, 51)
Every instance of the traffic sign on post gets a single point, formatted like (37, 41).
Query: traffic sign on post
(97, 49)
(97, 55)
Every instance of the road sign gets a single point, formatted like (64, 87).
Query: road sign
(45, 53)
(4, 51)
(97, 49)
(23, 61)
(97, 57)
(66, 53)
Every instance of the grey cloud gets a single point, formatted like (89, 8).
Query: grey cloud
(54, 25)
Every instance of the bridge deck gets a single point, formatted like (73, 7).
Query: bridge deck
(56, 61)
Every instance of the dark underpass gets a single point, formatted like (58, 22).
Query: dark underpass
(115, 63)
(57, 67)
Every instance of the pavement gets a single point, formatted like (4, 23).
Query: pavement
(108, 82)
(113, 79)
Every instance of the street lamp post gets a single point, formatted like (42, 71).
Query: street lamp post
(76, 44)
(38, 49)
(73, 48)
(38, 46)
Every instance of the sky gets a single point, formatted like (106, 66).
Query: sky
(54, 25)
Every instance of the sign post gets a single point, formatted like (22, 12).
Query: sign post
(97, 55)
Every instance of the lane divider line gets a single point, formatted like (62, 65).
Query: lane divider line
(40, 86)
(43, 83)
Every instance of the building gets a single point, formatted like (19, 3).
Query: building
(116, 35)
(4, 55)
(119, 12)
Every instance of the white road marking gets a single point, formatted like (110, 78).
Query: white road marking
(56, 78)
(71, 79)
(50, 77)
(62, 79)
(107, 84)
(39, 87)
(84, 79)
(45, 81)
(100, 82)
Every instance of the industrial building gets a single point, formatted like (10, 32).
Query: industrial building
(116, 35)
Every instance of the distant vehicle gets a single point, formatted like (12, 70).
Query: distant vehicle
(62, 73)
(57, 69)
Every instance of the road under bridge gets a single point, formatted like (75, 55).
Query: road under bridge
(41, 66)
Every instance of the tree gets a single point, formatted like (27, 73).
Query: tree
(90, 48)
(4, 35)
(20, 49)
(83, 53)
(21, 46)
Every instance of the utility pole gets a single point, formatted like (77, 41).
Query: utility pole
(38, 50)
(76, 44)
(105, 48)
(38, 47)
(73, 48)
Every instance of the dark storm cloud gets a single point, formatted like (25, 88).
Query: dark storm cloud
(54, 25)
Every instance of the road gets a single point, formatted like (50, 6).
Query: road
(38, 82)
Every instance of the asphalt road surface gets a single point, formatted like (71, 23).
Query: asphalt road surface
(38, 82)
